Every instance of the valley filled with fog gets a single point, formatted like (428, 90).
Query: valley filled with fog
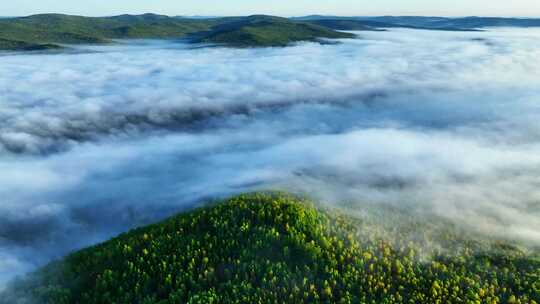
(100, 139)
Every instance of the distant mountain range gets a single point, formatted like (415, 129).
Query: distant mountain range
(435, 23)
(48, 31)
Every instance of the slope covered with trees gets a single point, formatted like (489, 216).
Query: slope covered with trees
(233, 31)
(58, 28)
(263, 30)
(15, 45)
(277, 248)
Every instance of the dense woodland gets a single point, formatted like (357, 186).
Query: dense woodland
(278, 248)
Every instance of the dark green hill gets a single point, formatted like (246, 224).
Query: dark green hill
(260, 30)
(276, 248)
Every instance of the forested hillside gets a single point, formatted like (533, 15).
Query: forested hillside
(277, 248)
(251, 31)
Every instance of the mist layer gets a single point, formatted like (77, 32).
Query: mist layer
(98, 141)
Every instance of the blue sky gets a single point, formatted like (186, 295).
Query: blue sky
(276, 7)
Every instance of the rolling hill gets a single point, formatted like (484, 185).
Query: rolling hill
(252, 31)
(278, 248)
(67, 29)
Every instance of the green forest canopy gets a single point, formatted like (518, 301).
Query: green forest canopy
(278, 248)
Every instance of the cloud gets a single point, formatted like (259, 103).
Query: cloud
(94, 143)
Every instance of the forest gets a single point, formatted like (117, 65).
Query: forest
(274, 247)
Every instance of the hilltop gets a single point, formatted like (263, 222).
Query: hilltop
(261, 30)
(278, 248)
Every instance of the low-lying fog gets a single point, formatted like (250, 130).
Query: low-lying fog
(94, 143)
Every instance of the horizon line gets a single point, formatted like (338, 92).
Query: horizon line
(284, 16)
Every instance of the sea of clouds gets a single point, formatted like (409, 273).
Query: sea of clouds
(98, 140)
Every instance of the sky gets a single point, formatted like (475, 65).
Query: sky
(526, 8)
